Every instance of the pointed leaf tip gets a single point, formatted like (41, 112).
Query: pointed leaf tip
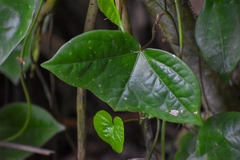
(110, 11)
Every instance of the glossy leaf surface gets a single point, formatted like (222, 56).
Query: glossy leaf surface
(219, 138)
(218, 35)
(14, 24)
(110, 11)
(111, 131)
(187, 146)
(41, 128)
(112, 66)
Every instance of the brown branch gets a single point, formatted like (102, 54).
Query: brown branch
(125, 18)
(27, 148)
(91, 16)
(81, 93)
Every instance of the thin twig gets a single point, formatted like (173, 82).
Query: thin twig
(91, 16)
(81, 123)
(153, 31)
(179, 28)
(163, 131)
(155, 140)
(208, 109)
(131, 120)
(28, 35)
(189, 130)
(29, 111)
(22, 147)
(81, 93)
(169, 16)
(43, 82)
(125, 17)
(148, 137)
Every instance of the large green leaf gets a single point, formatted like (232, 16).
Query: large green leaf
(110, 11)
(16, 16)
(112, 66)
(187, 146)
(219, 138)
(218, 35)
(40, 129)
(111, 131)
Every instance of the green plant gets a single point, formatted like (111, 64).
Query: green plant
(155, 83)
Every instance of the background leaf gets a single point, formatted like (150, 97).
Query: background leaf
(218, 35)
(111, 131)
(111, 65)
(219, 138)
(110, 11)
(41, 128)
(187, 146)
(14, 24)
(10, 67)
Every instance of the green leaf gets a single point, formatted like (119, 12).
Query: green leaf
(219, 138)
(218, 35)
(112, 66)
(112, 132)
(187, 146)
(110, 11)
(14, 24)
(41, 128)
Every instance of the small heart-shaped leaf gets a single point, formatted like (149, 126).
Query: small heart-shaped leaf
(110, 131)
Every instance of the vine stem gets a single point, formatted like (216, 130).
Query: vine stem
(131, 120)
(148, 138)
(207, 106)
(159, 16)
(21, 62)
(179, 28)
(29, 107)
(31, 29)
(91, 16)
(163, 131)
(164, 10)
(155, 140)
